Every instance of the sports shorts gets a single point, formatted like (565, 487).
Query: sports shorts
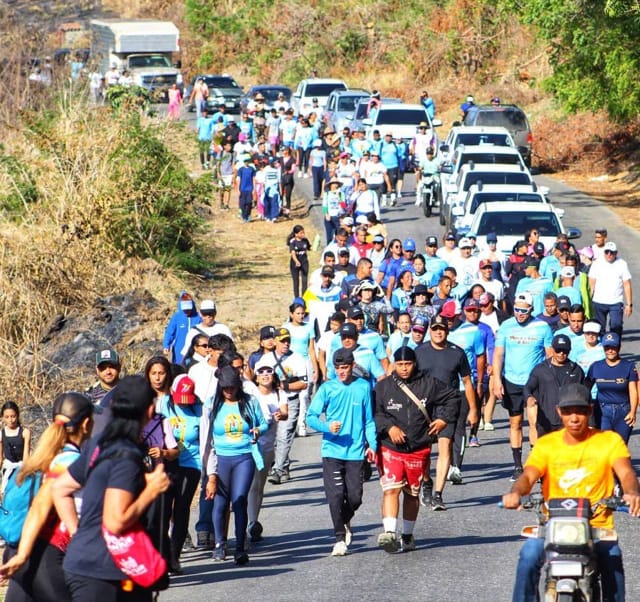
(403, 470)
(513, 399)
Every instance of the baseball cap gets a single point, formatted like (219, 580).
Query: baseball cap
(267, 332)
(610, 339)
(327, 270)
(564, 302)
(409, 244)
(420, 289)
(450, 236)
(419, 327)
(343, 251)
(342, 356)
(538, 248)
(207, 306)
(492, 237)
(347, 221)
(183, 390)
(593, 327)
(485, 263)
(472, 304)
(378, 238)
(107, 356)
(431, 241)
(362, 219)
(561, 342)
(355, 312)
(524, 298)
(574, 395)
(531, 262)
(283, 334)
(610, 246)
(586, 252)
(349, 330)
(464, 243)
(486, 298)
(439, 322)
(450, 309)
(567, 272)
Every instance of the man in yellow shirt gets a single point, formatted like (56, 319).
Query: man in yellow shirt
(576, 461)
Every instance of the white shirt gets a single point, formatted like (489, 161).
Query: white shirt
(466, 268)
(609, 277)
(217, 328)
(598, 252)
(495, 287)
(204, 378)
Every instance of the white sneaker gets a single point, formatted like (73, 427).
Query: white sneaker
(455, 476)
(299, 174)
(418, 203)
(488, 426)
(393, 200)
(339, 549)
(481, 425)
(348, 538)
(302, 431)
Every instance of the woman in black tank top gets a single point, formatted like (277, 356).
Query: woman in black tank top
(15, 438)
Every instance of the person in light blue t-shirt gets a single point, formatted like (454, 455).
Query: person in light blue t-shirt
(348, 437)
(574, 331)
(522, 342)
(534, 284)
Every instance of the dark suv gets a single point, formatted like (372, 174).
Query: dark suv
(223, 89)
(509, 117)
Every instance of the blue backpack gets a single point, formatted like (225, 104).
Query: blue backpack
(15, 506)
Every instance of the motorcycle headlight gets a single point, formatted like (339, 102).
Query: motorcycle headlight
(568, 533)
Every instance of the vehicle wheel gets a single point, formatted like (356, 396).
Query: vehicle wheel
(426, 204)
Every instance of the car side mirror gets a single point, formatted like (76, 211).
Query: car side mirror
(573, 233)
(436, 123)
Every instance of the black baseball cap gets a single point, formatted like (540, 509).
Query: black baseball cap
(342, 356)
(561, 342)
(355, 312)
(349, 330)
(564, 302)
(574, 395)
(439, 322)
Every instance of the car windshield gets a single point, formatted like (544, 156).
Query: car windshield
(477, 139)
(515, 223)
(495, 177)
(322, 89)
(220, 82)
(508, 159)
(348, 103)
(497, 197)
(154, 60)
(508, 118)
(401, 117)
(271, 94)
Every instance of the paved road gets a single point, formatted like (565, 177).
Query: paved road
(468, 552)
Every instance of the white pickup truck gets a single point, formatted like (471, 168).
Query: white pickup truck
(144, 48)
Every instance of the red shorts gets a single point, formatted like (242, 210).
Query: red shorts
(403, 469)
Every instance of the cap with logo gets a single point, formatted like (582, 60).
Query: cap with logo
(208, 306)
(378, 238)
(610, 339)
(450, 236)
(538, 248)
(464, 243)
(431, 241)
(567, 272)
(492, 237)
(450, 309)
(472, 304)
(327, 270)
(183, 390)
(355, 312)
(564, 302)
(419, 326)
(409, 244)
(348, 331)
(610, 246)
(283, 334)
(107, 356)
(439, 322)
(347, 221)
(485, 263)
(267, 332)
(561, 342)
(486, 298)
(574, 395)
(524, 298)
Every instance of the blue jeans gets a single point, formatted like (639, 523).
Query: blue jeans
(330, 227)
(317, 174)
(284, 435)
(531, 560)
(271, 203)
(615, 312)
(205, 511)
(235, 474)
(610, 417)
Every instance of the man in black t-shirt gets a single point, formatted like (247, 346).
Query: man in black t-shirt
(447, 362)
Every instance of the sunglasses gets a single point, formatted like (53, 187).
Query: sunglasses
(205, 345)
(561, 351)
(264, 371)
(521, 310)
(608, 252)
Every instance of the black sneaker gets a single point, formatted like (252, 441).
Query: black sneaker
(437, 503)
(188, 546)
(204, 540)
(407, 543)
(255, 532)
(516, 474)
(426, 492)
(241, 558)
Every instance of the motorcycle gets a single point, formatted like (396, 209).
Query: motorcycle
(428, 197)
(570, 569)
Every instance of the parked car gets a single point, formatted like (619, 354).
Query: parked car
(510, 117)
(474, 136)
(341, 107)
(308, 89)
(223, 89)
(510, 219)
(355, 123)
(463, 212)
(270, 93)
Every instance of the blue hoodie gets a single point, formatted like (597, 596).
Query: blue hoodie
(176, 332)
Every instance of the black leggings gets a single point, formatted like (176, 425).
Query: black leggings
(299, 276)
(88, 588)
(287, 189)
(185, 483)
(41, 578)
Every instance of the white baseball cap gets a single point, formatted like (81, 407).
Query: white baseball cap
(524, 298)
(610, 246)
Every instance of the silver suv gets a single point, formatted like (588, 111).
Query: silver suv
(510, 117)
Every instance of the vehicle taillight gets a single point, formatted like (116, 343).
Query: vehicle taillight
(529, 138)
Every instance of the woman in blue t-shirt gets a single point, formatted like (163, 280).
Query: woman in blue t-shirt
(401, 296)
(237, 422)
(616, 382)
(183, 411)
(390, 264)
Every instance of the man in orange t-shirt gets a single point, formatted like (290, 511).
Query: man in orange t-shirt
(576, 461)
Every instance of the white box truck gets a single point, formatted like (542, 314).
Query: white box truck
(144, 48)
